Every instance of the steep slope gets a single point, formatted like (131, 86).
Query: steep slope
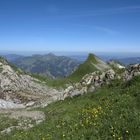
(49, 65)
(93, 63)
(19, 88)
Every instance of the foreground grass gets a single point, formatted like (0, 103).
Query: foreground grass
(111, 113)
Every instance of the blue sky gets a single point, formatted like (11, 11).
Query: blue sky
(70, 25)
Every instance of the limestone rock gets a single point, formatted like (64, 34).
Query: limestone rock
(89, 83)
(21, 88)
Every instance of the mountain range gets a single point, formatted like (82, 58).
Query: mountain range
(54, 66)
(48, 65)
(129, 60)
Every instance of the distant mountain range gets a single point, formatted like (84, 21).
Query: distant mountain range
(57, 66)
(49, 65)
(125, 61)
(131, 60)
(12, 57)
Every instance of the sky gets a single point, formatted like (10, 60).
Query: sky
(70, 25)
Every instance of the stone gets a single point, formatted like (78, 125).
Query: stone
(91, 89)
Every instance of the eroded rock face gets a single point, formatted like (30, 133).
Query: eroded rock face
(131, 70)
(18, 88)
(9, 104)
(89, 83)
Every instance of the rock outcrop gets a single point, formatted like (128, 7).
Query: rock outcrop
(89, 83)
(94, 80)
(17, 88)
(131, 70)
(116, 64)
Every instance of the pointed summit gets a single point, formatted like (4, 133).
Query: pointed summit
(92, 63)
(51, 55)
(91, 58)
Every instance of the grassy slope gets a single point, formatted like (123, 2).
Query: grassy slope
(111, 113)
(84, 68)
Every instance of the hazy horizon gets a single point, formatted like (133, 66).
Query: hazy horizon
(73, 53)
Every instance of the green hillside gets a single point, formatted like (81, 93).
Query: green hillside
(111, 113)
(84, 68)
(93, 63)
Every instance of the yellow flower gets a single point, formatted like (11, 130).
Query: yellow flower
(127, 131)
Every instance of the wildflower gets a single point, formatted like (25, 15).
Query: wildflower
(82, 125)
(113, 135)
(94, 124)
(63, 135)
(96, 116)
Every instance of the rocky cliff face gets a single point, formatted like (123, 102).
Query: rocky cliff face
(17, 88)
(89, 83)
(130, 71)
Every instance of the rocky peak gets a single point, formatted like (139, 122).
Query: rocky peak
(92, 64)
(51, 55)
(91, 58)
